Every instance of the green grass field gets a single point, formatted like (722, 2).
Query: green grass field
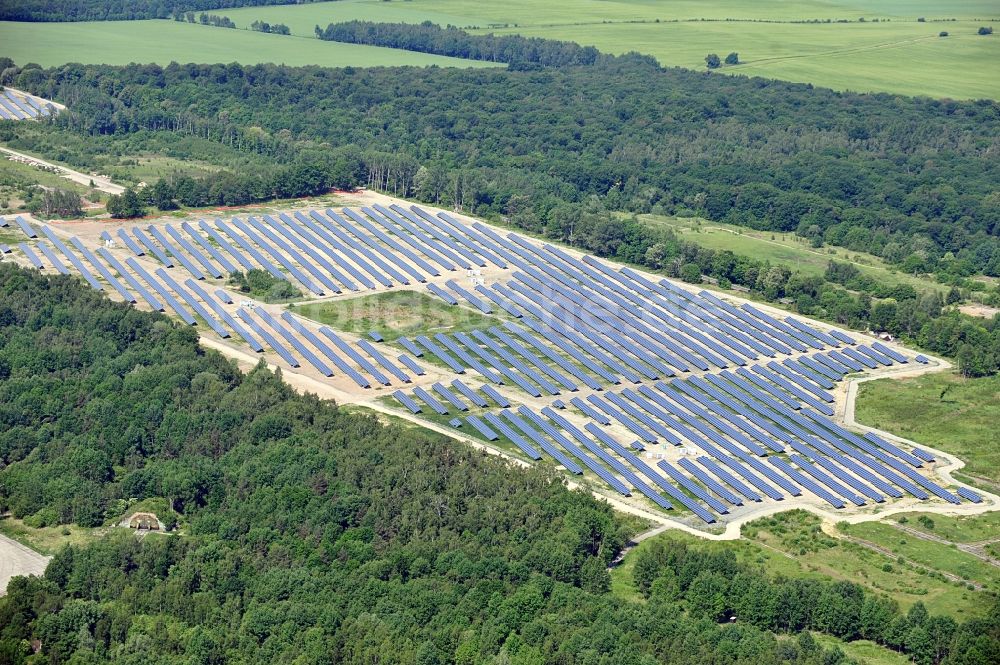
(964, 529)
(162, 42)
(150, 168)
(894, 54)
(907, 58)
(47, 540)
(16, 171)
(935, 556)
(963, 421)
(785, 249)
(396, 313)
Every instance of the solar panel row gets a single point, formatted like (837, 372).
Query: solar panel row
(333, 232)
(317, 248)
(541, 442)
(388, 241)
(411, 364)
(226, 317)
(161, 290)
(87, 275)
(513, 436)
(132, 281)
(383, 361)
(53, 260)
(101, 268)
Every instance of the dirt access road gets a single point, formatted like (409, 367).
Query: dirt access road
(16, 559)
(100, 183)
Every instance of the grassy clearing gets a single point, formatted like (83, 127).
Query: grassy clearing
(864, 651)
(965, 529)
(941, 410)
(784, 249)
(396, 313)
(895, 54)
(793, 545)
(797, 535)
(150, 168)
(47, 540)
(162, 42)
(8, 237)
(17, 178)
(936, 556)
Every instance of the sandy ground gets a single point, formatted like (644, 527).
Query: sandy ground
(981, 311)
(16, 559)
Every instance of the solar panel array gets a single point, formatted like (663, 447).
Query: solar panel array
(634, 365)
(22, 106)
(164, 290)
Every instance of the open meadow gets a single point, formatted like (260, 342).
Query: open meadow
(807, 41)
(393, 313)
(942, 410)
(785, 249)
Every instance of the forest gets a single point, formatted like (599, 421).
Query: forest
(308, 534)
(116, 10)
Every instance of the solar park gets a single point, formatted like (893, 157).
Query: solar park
(669, 398)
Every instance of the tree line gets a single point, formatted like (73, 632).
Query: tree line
(118, 10)
(309, 175)
(275, 28)
(427, 37)
(305, 533)
(207, 19)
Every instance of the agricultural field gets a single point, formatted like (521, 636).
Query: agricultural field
(889, 51)
(941, 410)
(808, 41)
(905, 58)
(785, 249)
(162, 42)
